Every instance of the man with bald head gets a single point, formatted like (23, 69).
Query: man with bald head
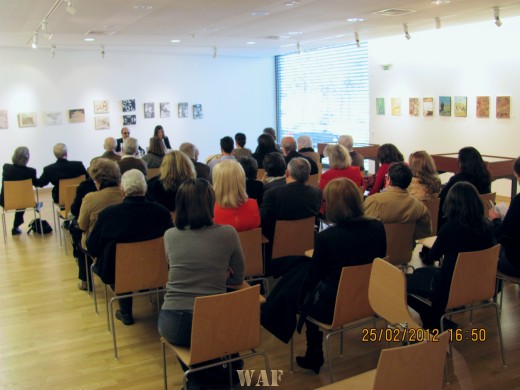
(289, 148)
(110, 149)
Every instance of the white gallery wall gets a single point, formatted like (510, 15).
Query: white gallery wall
(471, 61)
(236, 94)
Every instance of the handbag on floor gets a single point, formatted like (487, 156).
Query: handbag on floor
(34, 226)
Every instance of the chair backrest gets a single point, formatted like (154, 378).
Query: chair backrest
(260, 174)
(352, 297)
(313, 180)
(312, 155)
(152, 172)
(225, 324)
(485, 198)
(18, 195)
(474, 277)
(293, 238)
(433, 207)
(399, 242)
(427, 359)
(69, 195)
(251, 242)
(63, 183)
(140, 265)
(387, 294)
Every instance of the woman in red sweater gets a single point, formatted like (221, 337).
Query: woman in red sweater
(340, 166)
(387, 154)
(232, 206)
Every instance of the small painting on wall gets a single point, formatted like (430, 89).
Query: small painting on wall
(413, 107)
(427, 104)
(102, 122)
(77, 115)
(396, 106)
(27, 119)
(53, 118)
(461, 106)
(445, 105)
(380, 106)
(482, 106)
(101, 107)
(128, 105)
(129, 120)
(4, 123)
(182, 110)
(503, 107)
(197, 111)
(164, 110)
(149, 110)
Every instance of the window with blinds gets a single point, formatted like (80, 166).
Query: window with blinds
(323, 93)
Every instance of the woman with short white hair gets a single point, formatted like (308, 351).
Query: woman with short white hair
(340, 166)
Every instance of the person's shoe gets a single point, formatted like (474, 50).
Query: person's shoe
(82, 285)
(16, 231)
(311, 361)
(126, 319)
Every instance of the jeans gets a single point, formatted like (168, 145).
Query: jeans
(175, 326)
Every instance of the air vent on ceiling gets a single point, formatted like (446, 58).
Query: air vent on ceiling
(100, 33)
(394, 12)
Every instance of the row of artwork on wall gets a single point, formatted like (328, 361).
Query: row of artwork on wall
(460, 106)
(101, 120)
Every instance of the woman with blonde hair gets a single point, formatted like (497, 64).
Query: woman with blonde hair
(340, 166)
(425, 184)
(232, 206)
(176, 168)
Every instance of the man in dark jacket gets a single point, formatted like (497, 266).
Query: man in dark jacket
(289, 150)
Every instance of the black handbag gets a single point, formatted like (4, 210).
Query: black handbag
(34, 226)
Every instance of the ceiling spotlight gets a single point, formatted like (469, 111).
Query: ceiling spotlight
(102, 51)
(438, 23)
(175, 41)
(214, 52)
(498, 22)
(53, 51)
(45, 29)
(70, 8)
(406, 33)
(34, 44)
(356, 37)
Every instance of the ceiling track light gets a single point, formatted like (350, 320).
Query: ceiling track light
(45, 29)
(299, 48)
(102, 51)
(34, 44)
(53, 51)
(438, 23)
(498, 22)
(214, 52)
(356, 36)
(406, 33)
(70, 8)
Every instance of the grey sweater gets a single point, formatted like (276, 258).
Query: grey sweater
(199, 260)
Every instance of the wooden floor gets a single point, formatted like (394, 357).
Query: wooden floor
(50, 337)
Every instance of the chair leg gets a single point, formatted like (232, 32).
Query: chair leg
(165, 374)
(87, 273)
(501, 295)
(54, 215)
(499, 326)
(106, 306)
(327, 350)
(93, 287)
(113, 326)
(3, 225)
(291, 355)
(41, 223)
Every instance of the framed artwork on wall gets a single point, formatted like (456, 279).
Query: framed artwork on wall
(128, 105)
(427, 104)
(461, 106)
(27, 119)
(53, 118)
(197, 111)
(129, 120)
(164, 110)
(413, 107)
(4, 123)
(77, 115)
(149, 110)
(102, 122)
(380, 106)
(503, 107)
(445, 105)
(101, 107)
(482, 106)
(182, 110)
(396, 106)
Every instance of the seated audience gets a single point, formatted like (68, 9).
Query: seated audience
(396, 205)
(357, 158)
(425, 184)
(61, 169)
(240, 149)
(275, 168)
(16, 171)
(203, 259)
(466, 230)
(232, 206)
(352, 240)
(289, 151)
(159, 132)
(129, 159)
(125, 133)
(156, 152)
(107, 178)
(305, 147)
(226, 148)
(134, 220)
(110, 149)
(507, 231)
(340, 166)
(176, 168)
(387, 154)
(265, 146)
(272, 132)
(254, 187)
(192, 152)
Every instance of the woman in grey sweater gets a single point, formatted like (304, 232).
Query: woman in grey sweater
(203, 259)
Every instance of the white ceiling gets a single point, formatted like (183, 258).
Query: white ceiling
(202, 25)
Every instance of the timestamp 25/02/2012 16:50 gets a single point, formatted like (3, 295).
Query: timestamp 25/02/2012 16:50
(419, 334)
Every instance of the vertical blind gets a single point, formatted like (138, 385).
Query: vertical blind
(323, 93)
